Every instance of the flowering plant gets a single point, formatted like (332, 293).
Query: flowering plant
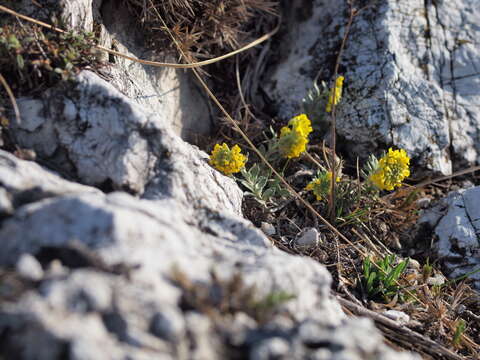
(320, 185)
(391, 170)
(335, 95)
(226, 160)
(294, 137)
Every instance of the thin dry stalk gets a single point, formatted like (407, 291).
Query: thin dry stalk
(11, 97)
(353, 13)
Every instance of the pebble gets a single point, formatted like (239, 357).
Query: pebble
(29, 268)
(308, 237)
(268, 229)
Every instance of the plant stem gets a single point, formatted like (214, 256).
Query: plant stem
(333, 130)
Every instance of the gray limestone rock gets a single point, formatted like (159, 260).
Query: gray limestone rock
(172, 93)
(23, 182)
(115, 296)
(99, 135)
(308, 238)
(456, 223)
(411, 75)
(6, 206)
(270, 349)
(75, 14)
(124, 230)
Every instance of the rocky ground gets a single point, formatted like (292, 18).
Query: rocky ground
(121, 241)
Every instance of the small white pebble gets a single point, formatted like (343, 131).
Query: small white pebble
(413, 264)
(29, 268)
(437, 280)
(308, 237)
(268, 229)
(424, 202)
(399, 316)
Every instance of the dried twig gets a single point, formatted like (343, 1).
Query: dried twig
(11, 97)
(333, 130)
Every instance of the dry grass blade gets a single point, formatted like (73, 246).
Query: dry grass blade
(448, 177)
(202, 28)
(11, 97)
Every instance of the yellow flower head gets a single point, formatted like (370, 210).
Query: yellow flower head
(227, 161)
(302, 124)
(294, 137)
(336, 94)
(291, 143)
(392, 169)
(320, 186)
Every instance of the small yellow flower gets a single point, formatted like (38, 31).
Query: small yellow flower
(291, 143)
(227, 161)
(294, 137)
(320, 186)
(336, 94)
(302, 124)
(392, 169)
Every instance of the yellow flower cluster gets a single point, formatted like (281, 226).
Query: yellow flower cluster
(294, 137)
(320, 186)
(392, 169)
(336, 94)
(227, 161)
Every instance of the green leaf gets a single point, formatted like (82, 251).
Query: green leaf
(20, 61)
(254, 171)
(262, 181)
(13, 42)
(268, 193)
(395, 273)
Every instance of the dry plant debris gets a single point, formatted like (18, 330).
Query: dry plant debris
(202, 28)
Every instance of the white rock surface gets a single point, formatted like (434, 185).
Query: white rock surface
(75, 14)
(456, 222)
(113, 296)
(171, 93)
(25, 181)
(411, 75)
(103, 137)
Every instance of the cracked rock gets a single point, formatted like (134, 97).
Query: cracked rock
(456, 223)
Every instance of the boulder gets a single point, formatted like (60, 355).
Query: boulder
(88, 128)
(171, 93)
(128, 277)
